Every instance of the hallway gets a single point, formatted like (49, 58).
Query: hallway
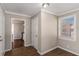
(43, 30)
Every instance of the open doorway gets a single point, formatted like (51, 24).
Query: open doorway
(17, 33)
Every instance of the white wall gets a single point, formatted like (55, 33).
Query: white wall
(35, 31)
(2, 31)
(69, 45)
(27, 32)
(48, 31)
(7, 32)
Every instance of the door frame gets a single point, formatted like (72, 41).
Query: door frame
(21, 19)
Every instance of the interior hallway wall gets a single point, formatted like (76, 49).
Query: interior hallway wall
(69, 44)
(35, 31)
(7, 32)
(2, 31)
(48, 31)
(27, 32)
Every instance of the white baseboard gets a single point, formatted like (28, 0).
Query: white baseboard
(39, 52)
(7, 50)
(2, 53)
(27, 45)
(42, 53)
(68, 50)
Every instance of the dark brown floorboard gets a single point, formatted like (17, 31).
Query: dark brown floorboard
(22, 51)
(18, 43)
(30, 51)
(59, 52)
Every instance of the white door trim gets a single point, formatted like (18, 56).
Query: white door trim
(24, 30)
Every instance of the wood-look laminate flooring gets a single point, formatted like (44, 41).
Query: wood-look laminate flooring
(22, 51)
(59, 52)
(18, 43)
(30, 51)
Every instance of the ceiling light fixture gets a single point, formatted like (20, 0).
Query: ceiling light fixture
(45, 5)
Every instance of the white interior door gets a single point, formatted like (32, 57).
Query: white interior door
(35, 32)
(1, 32)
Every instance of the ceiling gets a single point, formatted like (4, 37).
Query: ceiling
(31, 9)
(61, 8)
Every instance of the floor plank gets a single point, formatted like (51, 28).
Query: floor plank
(30, 51)
(59, 52)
